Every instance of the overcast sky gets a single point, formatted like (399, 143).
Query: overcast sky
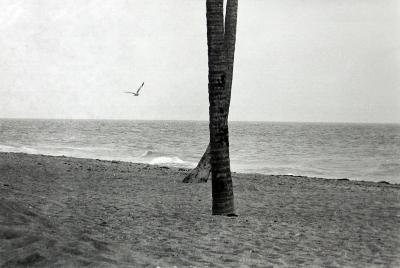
(296, 60)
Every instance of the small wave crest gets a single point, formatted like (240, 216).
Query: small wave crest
(7, 148)
(147, 153)
(17, 149)
(172, 161)
(166, 160)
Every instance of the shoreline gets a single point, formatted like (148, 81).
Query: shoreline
(63, 211)
(188, 169)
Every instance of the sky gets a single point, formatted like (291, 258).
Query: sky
(296, 60)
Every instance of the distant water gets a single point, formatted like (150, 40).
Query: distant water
(355, 151)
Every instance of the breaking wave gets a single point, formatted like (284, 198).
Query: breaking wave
(17, 149)
(172, 161)
(147, 153)
(166, 160)
(160, 158)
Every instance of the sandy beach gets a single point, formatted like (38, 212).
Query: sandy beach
(70, 212)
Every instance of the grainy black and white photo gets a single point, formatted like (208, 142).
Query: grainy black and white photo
(200, 133)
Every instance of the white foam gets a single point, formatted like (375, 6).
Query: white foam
(7, 148)
(17, 149)
(29, 150)
(166, 160)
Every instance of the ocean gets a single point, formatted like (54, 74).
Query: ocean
(331, 150)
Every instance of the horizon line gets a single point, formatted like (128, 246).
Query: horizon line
(196, 120)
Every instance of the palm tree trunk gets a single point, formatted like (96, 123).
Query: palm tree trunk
(222, 188)
(202, 171)
(230, 44)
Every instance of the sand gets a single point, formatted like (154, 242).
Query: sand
(70, 212)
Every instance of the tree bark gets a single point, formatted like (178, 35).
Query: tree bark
(230, 44)
(222, 187)
(202, 171)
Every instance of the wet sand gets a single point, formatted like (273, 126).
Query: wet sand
(70, 212)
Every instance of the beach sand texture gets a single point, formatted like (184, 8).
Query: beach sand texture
(69, 212)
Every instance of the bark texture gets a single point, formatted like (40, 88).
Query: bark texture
(202, 171)
(222, 188)
(230, 44)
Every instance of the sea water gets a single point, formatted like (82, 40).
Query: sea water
(329, 150)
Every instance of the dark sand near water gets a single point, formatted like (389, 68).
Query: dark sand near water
(69, 212)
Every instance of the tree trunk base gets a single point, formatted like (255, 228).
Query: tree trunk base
(202, 172)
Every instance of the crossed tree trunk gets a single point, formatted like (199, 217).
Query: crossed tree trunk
(203, 169)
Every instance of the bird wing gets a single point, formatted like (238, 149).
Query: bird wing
(137, 92)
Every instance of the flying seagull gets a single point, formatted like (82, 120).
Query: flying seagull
(137, 92)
